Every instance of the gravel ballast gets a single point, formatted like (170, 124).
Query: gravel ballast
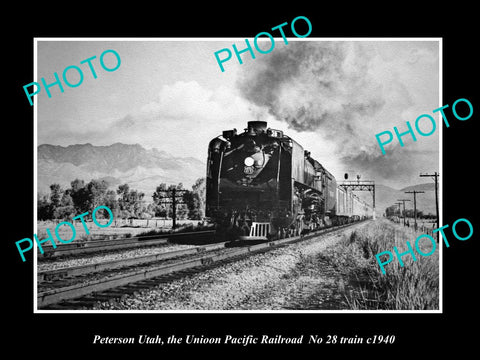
(107, 256)
(280, 279)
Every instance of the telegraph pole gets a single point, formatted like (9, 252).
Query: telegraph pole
(174, 208)
(399, 208)
(434, 176)
(172, 194)
(414, 192)
(403, 200)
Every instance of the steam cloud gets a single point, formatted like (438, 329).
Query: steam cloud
(332, 88)
(316, 87)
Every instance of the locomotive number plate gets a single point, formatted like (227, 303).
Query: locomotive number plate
(248, 170)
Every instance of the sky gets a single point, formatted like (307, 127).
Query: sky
(331, 96)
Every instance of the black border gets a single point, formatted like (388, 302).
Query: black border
(59, 334)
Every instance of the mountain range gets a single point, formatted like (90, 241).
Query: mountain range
(145, 169)
(118, 163)
(386, 196)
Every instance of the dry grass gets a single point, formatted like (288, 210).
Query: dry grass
(415, 286)
(120, 228)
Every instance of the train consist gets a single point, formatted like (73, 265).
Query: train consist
(261, 184)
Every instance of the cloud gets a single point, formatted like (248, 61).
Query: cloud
(317, 87)
(179, 101)
(346, 92)
(331, 96)
(185, 101)
(182, 120)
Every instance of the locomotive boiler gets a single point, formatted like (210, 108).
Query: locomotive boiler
(262, 184)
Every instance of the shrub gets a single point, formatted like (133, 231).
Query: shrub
(412, 287)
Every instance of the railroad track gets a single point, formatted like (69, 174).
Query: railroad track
(66, 288)
(86, 247)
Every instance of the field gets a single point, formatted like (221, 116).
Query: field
(425, 226)
(412, 287)
(119, 228)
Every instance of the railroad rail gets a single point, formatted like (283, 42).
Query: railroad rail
(51, 275)
(107, 287)
(85, 247)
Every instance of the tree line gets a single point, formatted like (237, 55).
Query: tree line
(124, 202)
(394, 211)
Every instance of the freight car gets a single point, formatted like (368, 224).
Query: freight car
(262, 184)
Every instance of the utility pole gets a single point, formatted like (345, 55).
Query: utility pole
(399, 208)
(434, 176)
(173, 193)
(414, 192)
(174, 208)
(403, 200)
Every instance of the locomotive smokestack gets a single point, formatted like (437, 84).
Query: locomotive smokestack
(257, 127)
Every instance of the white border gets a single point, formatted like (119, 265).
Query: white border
(440, 170)
(35, 178)
(440, 84)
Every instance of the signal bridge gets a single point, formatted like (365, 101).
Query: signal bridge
(360, 185)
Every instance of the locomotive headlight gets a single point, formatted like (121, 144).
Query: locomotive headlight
(248, 161)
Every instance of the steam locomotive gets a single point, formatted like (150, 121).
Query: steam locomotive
(262, 185)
